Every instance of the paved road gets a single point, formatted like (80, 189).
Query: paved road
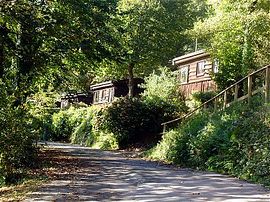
(109, 176)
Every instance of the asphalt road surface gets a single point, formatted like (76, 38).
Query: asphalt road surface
(112, 176)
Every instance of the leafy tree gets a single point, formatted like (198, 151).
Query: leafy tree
(43, 44)
(162, 86)
(87, 39)
(150, 33)
(237, 33)
(53, 41)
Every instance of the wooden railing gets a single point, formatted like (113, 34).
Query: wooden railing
(257, 81)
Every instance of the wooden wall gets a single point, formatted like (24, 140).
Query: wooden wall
(189, 89)
(202, 82)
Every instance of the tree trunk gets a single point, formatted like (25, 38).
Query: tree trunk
(130, 80)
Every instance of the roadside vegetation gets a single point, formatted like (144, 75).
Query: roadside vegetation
(126, 122)
(234, 141)
(51, 47)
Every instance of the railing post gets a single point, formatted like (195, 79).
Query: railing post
(267, 84)
(215, 104)
(164, 128)
(249, 88)
(225, 99)
(205, 106)
(236, 88)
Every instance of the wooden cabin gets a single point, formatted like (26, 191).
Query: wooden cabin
(74, 98)
(106, 92)
(195, 71)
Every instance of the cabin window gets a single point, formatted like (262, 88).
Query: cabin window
(200, 68)
(96, 96)
(184, 74)
(110, 94)
(215, 66)
(102, 96)
(105, 95)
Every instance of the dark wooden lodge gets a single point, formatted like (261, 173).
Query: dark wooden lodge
(72, 98)
(195, 71)
(106, 92)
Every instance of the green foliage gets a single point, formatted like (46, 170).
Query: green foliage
(89, 132)
(50, 45)
(161, 91)
(229, 141)
(18, 132)
(161, 88)
(17, 151)
(44, 44)
(81, 126)
(65, 122)
(130, 120)
(202, 97)
(53, 42)
(105, 141)
(237, 34)
(126, 120)
(174, 146)
(150, 33)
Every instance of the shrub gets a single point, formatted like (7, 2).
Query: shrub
(64, 123)
(175, 144)
(84, 131)
(17, 151)
(162, 89)
(228, 141)
(41, 106)
(127, 119)
(202, 97)
(82, 126)
(131, 120)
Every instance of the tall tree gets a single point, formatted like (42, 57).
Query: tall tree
(237, 33)
(52, 41)
(150, 33)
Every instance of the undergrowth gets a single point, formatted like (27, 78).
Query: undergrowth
(81, 126)
(235, 141)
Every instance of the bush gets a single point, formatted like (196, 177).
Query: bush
(65, 122)
(41, 106)
(162, 90)
(130, 119)
(175, 144)
(89, 132)
(202, 97)
(125, 121)
(229, 141)
(17, 137)
(82, 126)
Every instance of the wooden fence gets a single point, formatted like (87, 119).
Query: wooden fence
(256, 82)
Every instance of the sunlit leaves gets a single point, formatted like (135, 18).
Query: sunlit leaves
(237, 33)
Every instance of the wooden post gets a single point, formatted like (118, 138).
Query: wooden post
(164, 128)
(204, 106)
(236, 92)
(225, 99)
(267, 84)
(249, 88)
(215, 104)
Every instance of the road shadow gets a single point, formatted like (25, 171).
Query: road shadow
(109, 176)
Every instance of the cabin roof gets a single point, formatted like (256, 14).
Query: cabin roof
(105, 84)
(73, 95)
(190, 56)
(112, 83)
